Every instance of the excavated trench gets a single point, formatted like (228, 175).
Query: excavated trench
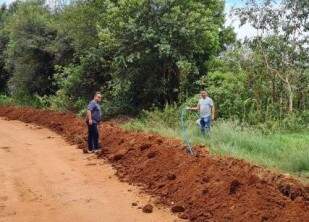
(201, 188)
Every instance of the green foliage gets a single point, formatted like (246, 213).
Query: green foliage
(4, 75)
(29, 52)
(160, 47)
(281, 49)
(76, 82)
(117, 99)
(242, 88)
(77, 23)
(168, 116)
(139, 53)
(25, 100)
(5, 100)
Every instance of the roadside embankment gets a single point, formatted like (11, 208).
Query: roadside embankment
(201, 188)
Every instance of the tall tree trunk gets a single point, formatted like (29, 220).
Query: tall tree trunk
(290, 95)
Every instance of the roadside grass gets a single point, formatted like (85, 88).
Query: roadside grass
(5, 100)
(287, 152)
(24, 100)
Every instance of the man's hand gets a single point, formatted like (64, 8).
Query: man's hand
(89, 116)
(192, 108)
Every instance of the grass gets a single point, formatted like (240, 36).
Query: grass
(5, 100)
(24, 100)
(286, 151)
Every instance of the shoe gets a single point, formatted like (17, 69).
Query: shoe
(87, 151)
(98, 151)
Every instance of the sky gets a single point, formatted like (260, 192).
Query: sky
(228, 2)
(5, 1)
(242, 32)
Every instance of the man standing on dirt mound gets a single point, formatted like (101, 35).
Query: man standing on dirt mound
(93, 120)
(207, 111)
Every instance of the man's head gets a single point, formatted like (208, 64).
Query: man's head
(204, 94)
(97, 97)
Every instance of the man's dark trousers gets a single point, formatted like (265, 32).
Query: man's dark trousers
(93, 137)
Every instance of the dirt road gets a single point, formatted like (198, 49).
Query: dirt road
(42, 178)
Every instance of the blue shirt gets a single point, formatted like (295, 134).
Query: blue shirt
(95, 110)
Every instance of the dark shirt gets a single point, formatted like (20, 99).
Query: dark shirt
(95, 110)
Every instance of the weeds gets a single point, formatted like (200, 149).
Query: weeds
(25, 100)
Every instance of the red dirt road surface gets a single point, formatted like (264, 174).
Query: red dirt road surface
(43, 179)
(202, 188)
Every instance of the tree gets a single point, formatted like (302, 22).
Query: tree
(161, 48)
(4, 75)
(83, 67)
(30, 52)
(282, 42)
(78, 22)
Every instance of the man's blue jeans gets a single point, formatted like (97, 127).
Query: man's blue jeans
(93, 137)
(205, 123)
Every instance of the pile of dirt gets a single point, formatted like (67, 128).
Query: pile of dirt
(202, 188)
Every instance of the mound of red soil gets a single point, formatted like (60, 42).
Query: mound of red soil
(203, 188)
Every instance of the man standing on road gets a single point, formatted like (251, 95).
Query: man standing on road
(206, 109)
(93, 120)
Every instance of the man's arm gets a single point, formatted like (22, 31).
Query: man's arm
(213, 112)
(89, 116)
(197, 108)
